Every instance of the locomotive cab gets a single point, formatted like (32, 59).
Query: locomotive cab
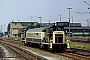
(55, 37)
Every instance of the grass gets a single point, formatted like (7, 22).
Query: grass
(80, 37)
(15, 38)
(80, 45)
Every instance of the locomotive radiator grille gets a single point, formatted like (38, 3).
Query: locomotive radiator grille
(58, 38)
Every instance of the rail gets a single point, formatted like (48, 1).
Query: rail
(24, 54)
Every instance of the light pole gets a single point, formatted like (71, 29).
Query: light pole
(87, 22)
(1, 28)
(69, 21)
(60, 18)
(40, 21)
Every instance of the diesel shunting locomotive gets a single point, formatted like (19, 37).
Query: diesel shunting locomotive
(50, 38)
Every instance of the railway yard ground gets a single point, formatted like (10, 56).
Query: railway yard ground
(1, 52)
(29, 53)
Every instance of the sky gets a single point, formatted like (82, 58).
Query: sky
(49, 10)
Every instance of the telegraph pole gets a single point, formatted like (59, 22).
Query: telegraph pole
(69, 21)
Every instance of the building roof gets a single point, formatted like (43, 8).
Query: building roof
(46, 24)
(23, 22)
(75, 24)
(66, 24)
(37, 29)
(77, 27)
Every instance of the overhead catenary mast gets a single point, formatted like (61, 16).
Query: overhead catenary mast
(87, 3)
(84, 12)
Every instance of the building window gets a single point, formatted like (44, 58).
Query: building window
(14, 28)
(15, 35)
(15, 23)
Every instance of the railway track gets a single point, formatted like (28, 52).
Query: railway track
(23, 54)
(72, 55)
(81, 52)
(77, 54)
